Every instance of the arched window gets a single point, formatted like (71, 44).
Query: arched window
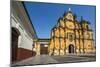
(87, 27)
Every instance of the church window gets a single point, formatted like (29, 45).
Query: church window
(87, 27)
(65, 19)
(88, 35)
(70, 36)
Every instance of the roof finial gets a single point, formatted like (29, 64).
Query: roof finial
(69, 9)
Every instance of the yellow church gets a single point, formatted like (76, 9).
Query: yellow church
(70, 36)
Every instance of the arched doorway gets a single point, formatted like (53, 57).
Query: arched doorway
(71, 48)
(14, 43)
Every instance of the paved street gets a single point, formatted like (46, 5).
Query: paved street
(74, 58)
(45, 59)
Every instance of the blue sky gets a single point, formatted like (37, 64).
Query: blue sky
(45, 15)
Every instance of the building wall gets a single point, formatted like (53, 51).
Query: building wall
(21, 22)
(41, 46)
(25, 41)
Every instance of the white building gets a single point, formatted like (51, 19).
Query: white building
(22, 33)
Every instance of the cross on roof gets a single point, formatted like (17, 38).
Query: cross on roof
(69, 9)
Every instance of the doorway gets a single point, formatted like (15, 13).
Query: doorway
(14, 43)
(43, 49)
(71, 48)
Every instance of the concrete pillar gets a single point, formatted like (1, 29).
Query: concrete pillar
(56, 52)
(66, 51)
(19, 41)
(37, 47)
(62, 52)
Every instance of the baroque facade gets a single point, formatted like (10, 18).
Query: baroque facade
(70, 36)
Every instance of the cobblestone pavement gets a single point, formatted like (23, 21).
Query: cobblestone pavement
(45, 59)
(42, 59)
(74, 58)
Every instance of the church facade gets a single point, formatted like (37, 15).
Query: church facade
(70, 36)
